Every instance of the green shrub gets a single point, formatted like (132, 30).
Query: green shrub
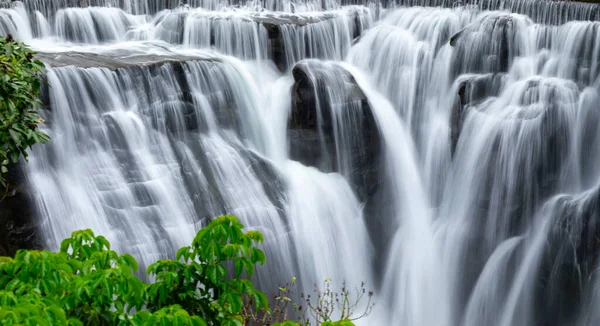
(20, 82)
(87, 283)
(200, 283)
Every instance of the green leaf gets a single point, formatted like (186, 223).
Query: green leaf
(197, 321)
(14, 156)
(102, 240)
(260, 300)
(64, 245)
(213, 274)
(258, 256)
(130, 261)
(221, 271)
(74, 322)
(235, 303)
(233, 322)
(182, 253)
(15, 136)
(239, 267)
(249, 267)
(87, 251)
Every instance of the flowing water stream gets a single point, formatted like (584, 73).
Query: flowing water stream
(447, 153)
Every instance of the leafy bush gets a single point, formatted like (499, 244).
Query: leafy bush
(20, 81)
(200, 284)
(87, 283)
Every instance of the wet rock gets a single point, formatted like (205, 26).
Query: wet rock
(306, 145)
(470, 92)
(276, 45)
(569, 262)
(45, 94)
(527, 142)
(274, 23)
(320, 118)
(576, 231)
(488, 45)
(18, 226)
(113, 60)
(271, 180)
(177, 111)
(332, 127)
(202, 183)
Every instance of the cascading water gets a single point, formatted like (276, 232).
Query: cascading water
(445, 153)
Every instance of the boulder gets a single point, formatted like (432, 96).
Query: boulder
(328, 107)
(18, 225)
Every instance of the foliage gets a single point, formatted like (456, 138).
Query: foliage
(20, 81)
(200, 283)
(87, 283)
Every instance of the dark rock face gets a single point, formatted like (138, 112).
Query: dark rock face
(571, 256)
(533, 140)
(470, 92)
(274, 24)
(180, 113)
(332, 127)
(276, 46)
(487, 45)
(207, 198)
(547, 133)
(18, 225)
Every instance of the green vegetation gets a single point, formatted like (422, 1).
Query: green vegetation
(20, 81)
(87, 283)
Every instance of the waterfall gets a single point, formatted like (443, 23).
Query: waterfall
(412, 276)
(444, 152)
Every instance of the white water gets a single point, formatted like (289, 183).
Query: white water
(445, 154)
